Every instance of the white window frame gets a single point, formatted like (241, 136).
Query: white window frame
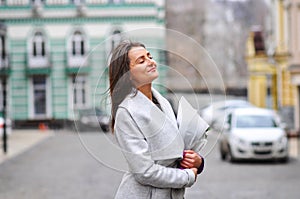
(38, 45)
(77, 59)
(79, 87)
(41, 59)
(78, 49)
(116, 36)
(31, 108)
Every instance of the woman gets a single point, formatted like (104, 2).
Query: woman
(145, 128)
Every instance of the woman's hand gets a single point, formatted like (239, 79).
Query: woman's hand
(191, 159)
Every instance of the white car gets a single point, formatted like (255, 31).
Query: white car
(8, 126)
(253, 133)
(214, 114)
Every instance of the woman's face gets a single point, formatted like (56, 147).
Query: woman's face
(142, 66)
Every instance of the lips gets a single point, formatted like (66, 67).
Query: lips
(152, 69)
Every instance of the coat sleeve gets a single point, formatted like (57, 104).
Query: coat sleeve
(135, 149)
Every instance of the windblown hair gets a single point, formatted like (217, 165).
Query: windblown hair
(119, 75)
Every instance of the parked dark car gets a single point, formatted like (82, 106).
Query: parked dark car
(93, 119)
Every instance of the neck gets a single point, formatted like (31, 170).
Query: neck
(146, 90)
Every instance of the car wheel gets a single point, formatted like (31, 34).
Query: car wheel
(230, 156)
(223, 156)
(104, 128)
(222, 152)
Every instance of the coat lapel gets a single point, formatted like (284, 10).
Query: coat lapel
(158, 127)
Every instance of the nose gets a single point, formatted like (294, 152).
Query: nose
(150, 61)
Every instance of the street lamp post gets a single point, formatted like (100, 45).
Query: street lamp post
(4, 136)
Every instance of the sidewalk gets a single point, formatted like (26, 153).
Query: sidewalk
(21, 140)
(294, 147)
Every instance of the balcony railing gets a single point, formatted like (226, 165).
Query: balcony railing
(77, 61)
(38, 61)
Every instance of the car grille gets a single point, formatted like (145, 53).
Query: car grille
(263, 144)
(262, 152)
(262, 148)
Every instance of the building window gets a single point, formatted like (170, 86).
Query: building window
(116, 39)
(39, 85)
(38, 52)
(77, 49)
(79, 91)
(38, 45)
(259, 44)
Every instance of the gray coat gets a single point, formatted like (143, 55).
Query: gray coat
(152, 145)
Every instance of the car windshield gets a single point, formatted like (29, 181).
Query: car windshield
(255, 121)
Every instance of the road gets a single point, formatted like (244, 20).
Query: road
(70, 166)
(259, 180)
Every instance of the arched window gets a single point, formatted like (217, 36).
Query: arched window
(79, 85)
(116, 39)
(38, 55)
(77, 49)
(78, 44)
(38, 45)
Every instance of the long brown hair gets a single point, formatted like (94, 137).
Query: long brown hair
(119, 75)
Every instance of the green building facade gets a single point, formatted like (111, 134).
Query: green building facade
(54, 53)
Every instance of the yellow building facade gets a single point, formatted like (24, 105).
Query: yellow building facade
(269, 82)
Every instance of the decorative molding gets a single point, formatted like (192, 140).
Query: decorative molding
(81, 10)
(81, 20)
(37, 10)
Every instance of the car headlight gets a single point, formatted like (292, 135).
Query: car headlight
(282, 140)
(239, 141)
(242, 142)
